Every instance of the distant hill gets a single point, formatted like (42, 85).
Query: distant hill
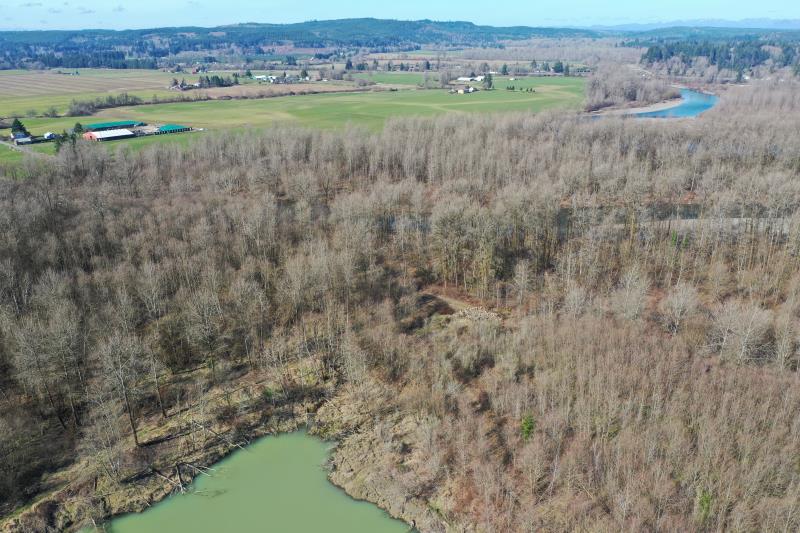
(749, 24)
(145, 48)
(151, 48)
(315, 33)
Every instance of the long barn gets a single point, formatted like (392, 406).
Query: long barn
(108, 135)
(120, 124)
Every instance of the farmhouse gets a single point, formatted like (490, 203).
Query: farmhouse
(122, 124)
(108, 135)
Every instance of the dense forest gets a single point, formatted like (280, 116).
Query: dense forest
(736, 56)
(533, 322)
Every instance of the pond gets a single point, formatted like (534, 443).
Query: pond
(277, 484)
(693, 104)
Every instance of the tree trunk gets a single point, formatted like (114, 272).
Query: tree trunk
(130, 416)
(158, 389)
(53, 405)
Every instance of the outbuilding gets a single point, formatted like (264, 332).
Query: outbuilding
(120, 124)
(108, 135)
(172, 128)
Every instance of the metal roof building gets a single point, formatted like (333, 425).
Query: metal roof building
(173, 128)
(108, 135)
(101, 126)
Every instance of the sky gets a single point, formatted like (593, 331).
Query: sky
(120, 14)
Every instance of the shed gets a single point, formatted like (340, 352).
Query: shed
(173, 128)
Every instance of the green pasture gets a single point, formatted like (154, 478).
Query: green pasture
(324, 111)
(369, 109)
(9, 155)
(396, 78)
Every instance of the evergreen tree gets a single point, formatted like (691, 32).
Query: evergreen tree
(18, 127)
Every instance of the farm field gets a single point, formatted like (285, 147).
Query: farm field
(336, 110)
(22, 91)
(324, 111)
(25, 91)
(396, 78)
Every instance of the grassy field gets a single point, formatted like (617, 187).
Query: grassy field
(335, 110)
(8, 155)
(25, 91)
(22, 91)
(396, 78)
(325, 111)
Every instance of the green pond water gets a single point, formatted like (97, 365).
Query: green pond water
(277, 484)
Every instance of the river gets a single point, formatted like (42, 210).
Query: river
(276, 484)
(693, 104)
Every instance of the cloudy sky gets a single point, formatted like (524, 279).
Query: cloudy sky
(118, 14)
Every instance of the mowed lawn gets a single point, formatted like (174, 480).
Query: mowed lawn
(370, 109)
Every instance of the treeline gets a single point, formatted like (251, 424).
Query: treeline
(104, 48)
(729, 55)
(613, 84)
(100, 59)
(79, 108)
(207, 82)
(632, 365)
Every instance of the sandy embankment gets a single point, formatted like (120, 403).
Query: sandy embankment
(661, 106)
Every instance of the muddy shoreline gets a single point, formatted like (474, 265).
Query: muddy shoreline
(82, 503)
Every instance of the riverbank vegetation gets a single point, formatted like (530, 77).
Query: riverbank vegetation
(615, 85)
(525, 322)
(726, 58)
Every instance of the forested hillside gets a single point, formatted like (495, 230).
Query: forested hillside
(144, 48)
(531, 322)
